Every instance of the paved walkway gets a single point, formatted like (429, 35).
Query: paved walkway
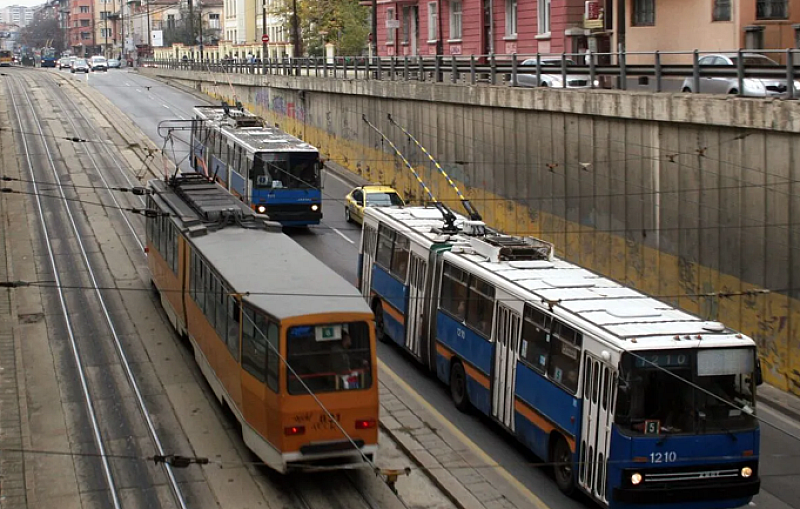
(12, 477)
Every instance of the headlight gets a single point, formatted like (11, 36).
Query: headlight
(314, 207)
(636, 478)
(261, 209)
(747, 472)
(596, 83)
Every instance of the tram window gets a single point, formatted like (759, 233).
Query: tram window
(254, 346)
(565, 355)
(211, 307)
(454, 292)
(233, 326)
(536, 334)
(400, 257)
(200, 296)
(329, 365)
(193, 276)
(480, 306)
(385, 247)
(222, 310)
(273, 362)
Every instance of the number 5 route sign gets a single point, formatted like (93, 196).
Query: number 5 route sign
(265, 38)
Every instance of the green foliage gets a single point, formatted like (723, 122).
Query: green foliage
(344, 23)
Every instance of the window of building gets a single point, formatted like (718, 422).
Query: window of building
(772, 9)
(511, 17)
(433, 22)
(406, 24)
(722, 10)
(544, 16)
(644, 13)
(84, 22)
(389, 30)
(213, 21)
(84, 9)
(103, 15)
(106, 32)
(455, 19)
(171, 21)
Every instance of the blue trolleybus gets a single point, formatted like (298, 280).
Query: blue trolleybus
(274, 172)
(635, 402)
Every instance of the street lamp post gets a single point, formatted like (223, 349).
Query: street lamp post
(263, 32)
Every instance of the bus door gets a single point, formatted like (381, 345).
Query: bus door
(599, 393)
(369, 242)
(506, 354)
(416, 304)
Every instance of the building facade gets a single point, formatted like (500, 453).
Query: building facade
(16, 15)
(82, 39)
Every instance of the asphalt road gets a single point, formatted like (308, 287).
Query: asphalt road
(149, 102)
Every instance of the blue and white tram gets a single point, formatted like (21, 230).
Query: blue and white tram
(637, 403)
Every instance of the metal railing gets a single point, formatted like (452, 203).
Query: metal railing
(651, 71)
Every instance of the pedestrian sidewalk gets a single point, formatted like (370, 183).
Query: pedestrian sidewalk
(781, 401)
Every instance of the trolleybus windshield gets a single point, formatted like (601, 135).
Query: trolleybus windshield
(655, 398)
(286, 170)
(329, 358)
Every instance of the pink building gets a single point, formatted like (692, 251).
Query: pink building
(481, 27)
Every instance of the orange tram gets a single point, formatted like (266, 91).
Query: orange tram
(285, 342)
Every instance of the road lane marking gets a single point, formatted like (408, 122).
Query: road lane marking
(464, 439)
(343, 236)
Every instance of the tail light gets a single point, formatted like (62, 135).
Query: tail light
(146, 250)
(366, 424)
(294, 430)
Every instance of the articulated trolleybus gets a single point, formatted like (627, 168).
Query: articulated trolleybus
(635, 402)
(274, 172)
(243, 292)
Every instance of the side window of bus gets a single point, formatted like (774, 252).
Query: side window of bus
(254, 346)
(370, 238)
(233, 325)
(480, 307)
(565, 357)
(454, 292)
(536, 338)
(385, 247)
(400, 257)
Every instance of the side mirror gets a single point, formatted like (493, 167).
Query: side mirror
(759, 375)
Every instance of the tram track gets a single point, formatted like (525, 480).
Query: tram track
(109, 399)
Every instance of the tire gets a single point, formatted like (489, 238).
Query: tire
(380, 326)
(458, 387)
(347, 214)
(686, 90)
(563, 470)
(733, 92)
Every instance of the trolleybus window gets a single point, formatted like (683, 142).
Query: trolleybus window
(536, 338)
(480, 307)
(385, 247)
(329, 358)
(454, 291)
(400, 257)
(654, 395)
(565, 358)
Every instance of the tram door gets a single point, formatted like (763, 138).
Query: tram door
(506, 354)
(416, 304)
(599, 394)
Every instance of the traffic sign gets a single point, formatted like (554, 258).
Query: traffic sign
(265, 38)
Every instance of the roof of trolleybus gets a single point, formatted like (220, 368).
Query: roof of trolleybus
(257, 139)
(622, 316)
(281, 277)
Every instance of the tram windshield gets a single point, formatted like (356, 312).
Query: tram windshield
(686, 391)
(286, 170)
(329, 358)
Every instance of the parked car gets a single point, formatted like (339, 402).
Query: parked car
(79, 65)
(752, 87)
(114, 63)
(63, 63)
(551, 74)
(98, 63)
(369, 196)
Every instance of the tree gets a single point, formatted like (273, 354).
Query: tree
(43, 31)
(181, 32)
(341, 22)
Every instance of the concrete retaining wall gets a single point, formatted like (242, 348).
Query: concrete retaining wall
(677, 195)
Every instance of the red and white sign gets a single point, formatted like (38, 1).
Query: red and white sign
(455, 49)
(265, 38)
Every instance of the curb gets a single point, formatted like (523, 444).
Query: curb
(783, 409)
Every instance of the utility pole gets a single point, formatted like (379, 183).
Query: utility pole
(105, 32)
(374, 42)
(200, 7)
(191, 26)
(263, 32)
(298, 48)
(149, 35)
(122, 33)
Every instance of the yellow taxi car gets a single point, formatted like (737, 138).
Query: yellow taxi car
(369, 196)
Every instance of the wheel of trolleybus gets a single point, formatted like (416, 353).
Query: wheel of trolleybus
(380, 326)
(458, 386)
(562, 466)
